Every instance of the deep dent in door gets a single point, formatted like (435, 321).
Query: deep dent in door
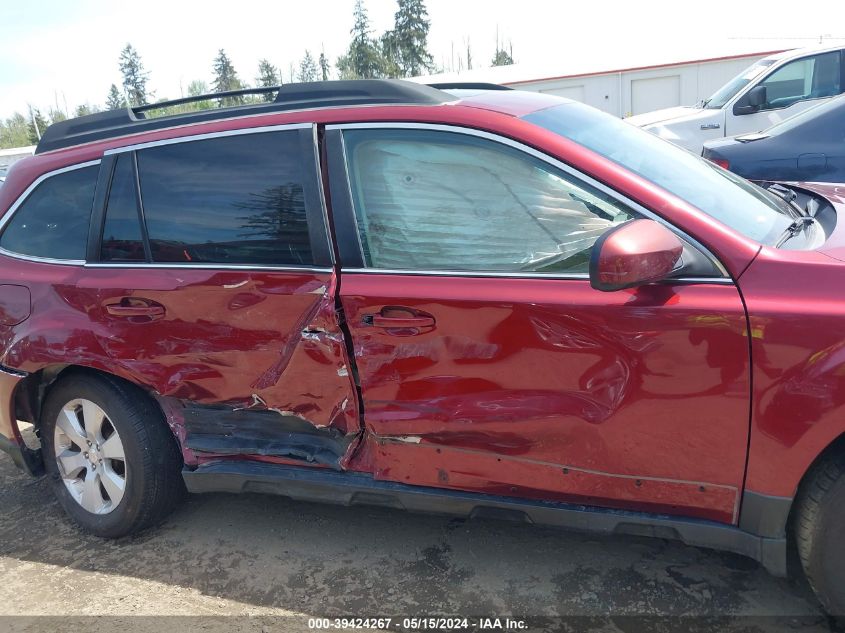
(302, 407)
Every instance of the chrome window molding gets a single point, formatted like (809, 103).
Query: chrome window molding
(209, 266)
(529, 275)
(42, 260)
(439, 127)
(207, 136)
(28, 191)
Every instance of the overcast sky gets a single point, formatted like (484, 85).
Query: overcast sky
(65, 51)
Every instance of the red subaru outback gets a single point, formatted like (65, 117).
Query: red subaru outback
(469, 301)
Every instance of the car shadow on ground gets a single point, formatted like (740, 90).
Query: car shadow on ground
(328, 561)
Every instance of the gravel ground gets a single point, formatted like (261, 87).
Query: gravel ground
(253, 563)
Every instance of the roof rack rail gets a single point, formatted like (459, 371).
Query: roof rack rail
(116, 123)
(468, 85)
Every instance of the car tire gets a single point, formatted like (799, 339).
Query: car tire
(820, 532)
(110, 457)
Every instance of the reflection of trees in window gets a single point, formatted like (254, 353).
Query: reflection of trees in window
(279, 216)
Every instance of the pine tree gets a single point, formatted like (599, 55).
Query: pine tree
(115, 100)
(502, 57)
(363, 59)
(226, 78)
(268, 76)
(37, 125)
(390, 54)
(86, 109)
(307, 68)
(55, 116)
(324, 66)
(410, 35)
(134, 77)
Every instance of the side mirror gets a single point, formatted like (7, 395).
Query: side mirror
(633, 254)
(751, 101)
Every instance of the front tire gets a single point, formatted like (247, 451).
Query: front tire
(111, 460)
(820, 532)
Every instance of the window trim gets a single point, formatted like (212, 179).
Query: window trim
(353, 260)
(23, 198)
(315, 202)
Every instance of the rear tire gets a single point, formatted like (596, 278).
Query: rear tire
(110, 457)
(820, 532)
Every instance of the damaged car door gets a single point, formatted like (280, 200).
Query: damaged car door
(210, 281)
(488, 363)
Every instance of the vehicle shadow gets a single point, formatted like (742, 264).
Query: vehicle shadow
(330, 561)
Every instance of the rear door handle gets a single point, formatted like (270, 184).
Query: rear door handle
(135, 307)
(411, 321)
(399, 317)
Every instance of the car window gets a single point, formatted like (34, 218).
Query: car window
(808, 78)
(746, 208)
(231, 200)
(122, 239)
(433, 200)
(53, 221)
(724, 94)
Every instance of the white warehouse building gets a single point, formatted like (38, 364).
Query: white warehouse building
(625, 86)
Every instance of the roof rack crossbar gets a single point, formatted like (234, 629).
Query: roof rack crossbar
(206, 97)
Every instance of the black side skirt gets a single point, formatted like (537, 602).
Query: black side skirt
(344, 488)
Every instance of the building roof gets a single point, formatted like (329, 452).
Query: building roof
(607, 60)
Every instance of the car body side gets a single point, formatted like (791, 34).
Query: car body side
(789, 333)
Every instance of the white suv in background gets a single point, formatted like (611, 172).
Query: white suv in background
(770, 90)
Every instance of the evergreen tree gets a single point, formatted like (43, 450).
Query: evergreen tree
(268, 76)
(324, 66)
(390, 55)
(410, 37)
(226, 78)
(363, 59)
(134, 77)
(307, 68)
(14, 132)
(115, 100)
(85, 109)
(502, 57)
(37, 125)
(56, 115)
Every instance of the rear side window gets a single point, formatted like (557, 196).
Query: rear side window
(122, 240)
(53, 221)
(230, 200)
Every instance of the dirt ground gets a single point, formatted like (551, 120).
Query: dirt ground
(253, 563)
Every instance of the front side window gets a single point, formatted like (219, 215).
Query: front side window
(432, 200)
(809, 78)
(53, 221)
(229, 200)
(724, 94)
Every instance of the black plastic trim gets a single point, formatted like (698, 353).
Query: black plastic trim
(468, 85)
(98, 213)
(27, 459)
(764, 515)
(345, 488)
(343, 211)
(301, 96)
(318, 232)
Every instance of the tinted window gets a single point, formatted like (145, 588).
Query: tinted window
(236, 199)
(53, 221)
(430, 200)
(808, 78)
(122, 239)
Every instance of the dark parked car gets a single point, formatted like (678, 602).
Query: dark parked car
(483, 303)
(808, 147)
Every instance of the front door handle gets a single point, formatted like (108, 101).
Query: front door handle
(135, 307)
(398, 317)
